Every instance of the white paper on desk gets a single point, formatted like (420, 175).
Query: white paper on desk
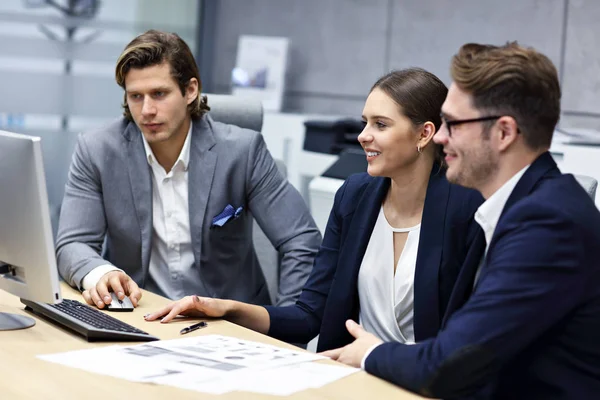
(191, 381)
(289, 379)
(140, 363)
(278, 381)
(238, 365)
(199, 361)
(107, 361)
(234, 354)
(215, 386)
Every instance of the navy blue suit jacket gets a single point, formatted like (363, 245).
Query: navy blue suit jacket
(531, 328)
(330, 295)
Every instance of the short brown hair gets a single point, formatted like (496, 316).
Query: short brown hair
(512, 80)
(419, 94)
(153, 48)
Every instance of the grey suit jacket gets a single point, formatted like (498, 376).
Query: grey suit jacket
(106, 213)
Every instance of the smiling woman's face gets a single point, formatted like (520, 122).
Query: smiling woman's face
(389, 138)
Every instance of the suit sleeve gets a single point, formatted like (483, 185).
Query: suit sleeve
(533, 277)
(283, 216)
(82, 222)
(301, 322)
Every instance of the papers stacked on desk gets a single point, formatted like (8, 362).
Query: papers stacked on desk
(212, 364)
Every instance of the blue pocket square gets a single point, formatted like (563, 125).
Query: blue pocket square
(228, 213)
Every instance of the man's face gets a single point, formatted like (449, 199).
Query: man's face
(469, 152)
(156, 103)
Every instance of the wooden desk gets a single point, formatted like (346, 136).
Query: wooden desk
(23, 376)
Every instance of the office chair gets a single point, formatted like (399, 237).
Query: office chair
(589, 184)
(249, 114)
(236, 111)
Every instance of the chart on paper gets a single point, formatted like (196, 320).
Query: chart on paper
(212, 363)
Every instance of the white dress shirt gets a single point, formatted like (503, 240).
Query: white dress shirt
(488, 213)
(487, 216)
(387, 297)
(171, 255)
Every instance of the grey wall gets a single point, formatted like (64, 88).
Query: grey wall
(340, 47)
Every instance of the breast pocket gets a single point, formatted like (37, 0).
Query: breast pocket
(233, 231)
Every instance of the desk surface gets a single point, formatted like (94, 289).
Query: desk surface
(23, 376)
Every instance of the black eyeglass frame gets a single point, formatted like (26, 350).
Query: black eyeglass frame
(451, 123)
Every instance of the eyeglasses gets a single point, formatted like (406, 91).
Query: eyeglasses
(450, 124)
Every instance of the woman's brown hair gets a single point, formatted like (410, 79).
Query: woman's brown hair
(419, 94)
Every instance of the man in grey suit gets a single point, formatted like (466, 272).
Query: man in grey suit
(164, 198)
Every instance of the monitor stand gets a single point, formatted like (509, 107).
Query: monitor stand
(11, 322)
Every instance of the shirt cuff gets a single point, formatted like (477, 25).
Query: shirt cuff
(364, 360)
(91, 279)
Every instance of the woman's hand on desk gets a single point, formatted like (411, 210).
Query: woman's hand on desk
(247, 315)
(191, 306)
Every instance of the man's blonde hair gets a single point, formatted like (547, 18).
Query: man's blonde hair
(154, 48)
(512, 80)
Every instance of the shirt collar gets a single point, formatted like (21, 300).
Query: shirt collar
(488, 214)
(184, 155)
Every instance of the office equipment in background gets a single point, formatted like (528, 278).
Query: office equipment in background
(260, 70)
(351, 161)
(27, 260)
(28, 268)
(322, 188)
(332, 137)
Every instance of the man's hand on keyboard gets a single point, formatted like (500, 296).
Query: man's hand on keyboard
(113, 281)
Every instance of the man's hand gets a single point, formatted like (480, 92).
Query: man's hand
(113, 281)
(192, 306)
(353, 353)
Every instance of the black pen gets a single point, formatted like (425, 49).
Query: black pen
(192, 328)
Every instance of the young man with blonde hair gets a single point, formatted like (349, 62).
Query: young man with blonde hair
(164, 198)
(531, 327)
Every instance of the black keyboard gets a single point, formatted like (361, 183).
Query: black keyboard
(89, 322)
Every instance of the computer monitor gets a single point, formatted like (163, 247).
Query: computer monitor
(27, 258)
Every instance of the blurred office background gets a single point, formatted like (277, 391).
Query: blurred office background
(57, 58)
(340, 47)
(57, 62)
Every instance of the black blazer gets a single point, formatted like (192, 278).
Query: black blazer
(330, 295)
(531, 328)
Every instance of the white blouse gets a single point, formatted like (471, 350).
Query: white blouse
(387, 298)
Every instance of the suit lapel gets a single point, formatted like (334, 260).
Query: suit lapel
(141, 187)
(464, 283)
(343, 302)
(542, 165)
(362, 226)
(201, 172)
(429, 257)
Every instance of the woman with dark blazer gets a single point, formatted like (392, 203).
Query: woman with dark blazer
(396, 239)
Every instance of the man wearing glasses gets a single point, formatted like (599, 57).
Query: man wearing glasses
(531, 327)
